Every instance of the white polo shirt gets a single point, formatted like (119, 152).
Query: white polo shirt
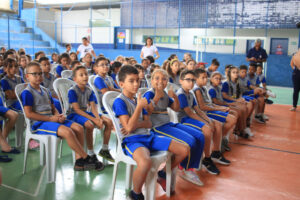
(149, 51)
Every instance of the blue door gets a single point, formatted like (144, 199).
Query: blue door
(120, 38)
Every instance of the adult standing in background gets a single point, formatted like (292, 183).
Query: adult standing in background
(257, 54)
(84, 48)
(149, 49)
(295, 64)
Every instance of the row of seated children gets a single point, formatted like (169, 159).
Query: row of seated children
(195, 130)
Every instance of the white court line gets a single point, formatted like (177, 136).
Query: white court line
(37, 189)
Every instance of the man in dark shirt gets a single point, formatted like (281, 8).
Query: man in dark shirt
(257, 54)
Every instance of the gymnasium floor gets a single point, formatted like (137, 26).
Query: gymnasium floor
(265, 167)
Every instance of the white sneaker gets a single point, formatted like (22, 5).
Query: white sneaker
(271, 94)
(248, 131)
(192, 177)
(293, 109)
(265, 117)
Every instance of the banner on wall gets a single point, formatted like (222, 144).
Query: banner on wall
(158, 39)
(100, 23)
(214, 41)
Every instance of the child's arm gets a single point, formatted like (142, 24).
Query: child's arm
(155, 97)
(9, 92)
(27, 100)
(132, 123)
(201, 114)
(175, 105)
(201, 103)
(75, 106)
(101, 85)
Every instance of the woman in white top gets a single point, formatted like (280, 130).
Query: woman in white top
(149, 49)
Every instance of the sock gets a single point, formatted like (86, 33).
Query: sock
(105, 147)
(90, 152)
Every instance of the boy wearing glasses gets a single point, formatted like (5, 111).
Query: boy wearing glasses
(45, 120)
(103, 82)
(191, 115)
(81, 97)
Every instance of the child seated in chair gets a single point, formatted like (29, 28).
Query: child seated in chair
(9, 82)
(137, 140)
(159, 101)
(64, 64)
(11, 117)
(45, 120)
(191, 115)
(103, 82)
(48, 80)
(81, 97)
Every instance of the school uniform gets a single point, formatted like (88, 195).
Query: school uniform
(100, 83)
(247, 93)
(174, 80)
(141, 137)
(162, 126)
(254, 80)
(83, 98)
(214, 114)
(3, 109)
(187, 100)
(10, 84)
(261, 78)
(48, 83)
(41, 101)
(59, 69)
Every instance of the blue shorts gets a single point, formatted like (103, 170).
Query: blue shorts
(103, 110)
(249, 93)
(228, 101)
(3, 110)
(151, 142)
(79, 119)
(16, 106)
(217, 115)
(186, 135)
(192, 123)
(248, 98)
(48, 128)
(57, 105)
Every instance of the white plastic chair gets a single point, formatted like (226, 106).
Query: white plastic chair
(53, 69)
(143, 90)
(157, 158)
(67, 74)
(19, 126)
(92, 85)
(61, 87)
(48, 143)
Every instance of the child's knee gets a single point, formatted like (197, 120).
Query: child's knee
(144, 163)
(77, 128)
(207, 130)
(89, 125)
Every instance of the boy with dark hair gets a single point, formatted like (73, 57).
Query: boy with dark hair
(137, 140)
(191, 115)
(80, 97)
(45, 120)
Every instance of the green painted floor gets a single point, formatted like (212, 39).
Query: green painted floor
(70, 184)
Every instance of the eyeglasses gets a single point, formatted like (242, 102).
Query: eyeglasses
(36, 74)
(190, 80)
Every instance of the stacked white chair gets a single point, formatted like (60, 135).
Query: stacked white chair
(61, 87)
(48, 143)
(157, 158)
